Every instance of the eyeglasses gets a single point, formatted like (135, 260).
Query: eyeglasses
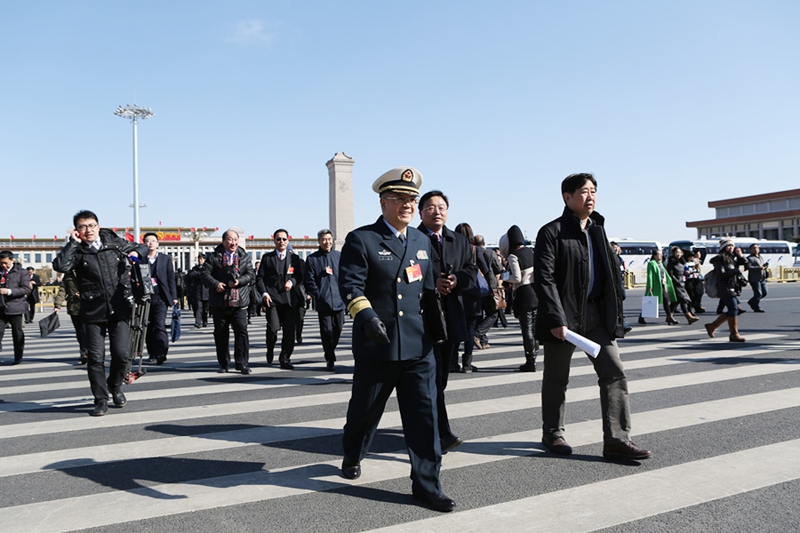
(84, 227)
(408, 200)
(431, 208)
(281, 239)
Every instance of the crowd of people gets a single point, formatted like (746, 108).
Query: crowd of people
(417, 297)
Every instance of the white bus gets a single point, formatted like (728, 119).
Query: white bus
(636, 254)
(776, 253)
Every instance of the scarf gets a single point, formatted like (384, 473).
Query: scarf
(232, 296)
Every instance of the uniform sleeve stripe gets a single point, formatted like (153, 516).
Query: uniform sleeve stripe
(357, 305)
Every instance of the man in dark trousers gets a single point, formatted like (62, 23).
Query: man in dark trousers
(165, 295)
(576, 277)
(322, 283)
(228, 273)
(99, 259)
(33, 297)
(277, 280)
(15, 286)
(198, 293)
(454, 271)
(385, 273)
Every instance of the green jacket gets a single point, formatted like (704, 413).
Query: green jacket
(654, 287)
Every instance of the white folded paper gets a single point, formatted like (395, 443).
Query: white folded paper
(582, 343)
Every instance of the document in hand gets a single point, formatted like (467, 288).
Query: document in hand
(582, 343)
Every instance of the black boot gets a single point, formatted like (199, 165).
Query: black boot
(530, 363)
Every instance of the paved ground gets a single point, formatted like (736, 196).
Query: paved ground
(201, 452)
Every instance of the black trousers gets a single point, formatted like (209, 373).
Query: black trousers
(119, 338)
(17, 334)
(281, 316)
(301, 318)
(156, 338)
(31, 311)
(80, 333)
(226, 318)
(415, 382)
(444, 354)
(330, 329)
(201, 312)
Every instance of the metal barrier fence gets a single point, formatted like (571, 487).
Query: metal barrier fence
(780, 275)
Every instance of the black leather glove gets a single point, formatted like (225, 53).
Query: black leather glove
(376, 330)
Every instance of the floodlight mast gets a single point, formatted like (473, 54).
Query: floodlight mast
(135, 113)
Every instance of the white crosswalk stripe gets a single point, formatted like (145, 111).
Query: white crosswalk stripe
(207, 442)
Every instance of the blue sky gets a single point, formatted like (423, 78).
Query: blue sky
(670, 104)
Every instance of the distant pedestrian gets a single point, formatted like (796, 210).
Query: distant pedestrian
(69, 295)
(15, 286)
(757, 277)
(729, 287)
(165, 295)
(520, 276)
(33, 297)
(198, 293)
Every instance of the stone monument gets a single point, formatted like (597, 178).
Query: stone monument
(341, 213)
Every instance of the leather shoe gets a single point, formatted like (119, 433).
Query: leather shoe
(351, 471)
(160, 359)
(556, 444)
(451, 443)
(100, 408)
(222, 370)
(624, 450)
(437, 501)
(286, 365)
(270, 357)
(330, 366)
(237, 366)
(246, 370)
(119, 398)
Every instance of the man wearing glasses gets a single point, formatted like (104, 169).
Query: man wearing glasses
(278, 281)
(455, 272)
(98, 258)
(385, 275)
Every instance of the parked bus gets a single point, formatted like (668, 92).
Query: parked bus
(636, 254)
(776, 253)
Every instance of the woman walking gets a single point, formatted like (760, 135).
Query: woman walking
(659, 283)
(676, 268)
(729, 286)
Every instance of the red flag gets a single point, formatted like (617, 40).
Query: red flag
(55, 237)
(216, 229)
(252, 237)
(12, 237)
(34, 237)
(128, 236)
(159, 222)
(204, 228)
(192, 230)
(115, 230)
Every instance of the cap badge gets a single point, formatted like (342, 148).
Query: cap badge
(408, 175)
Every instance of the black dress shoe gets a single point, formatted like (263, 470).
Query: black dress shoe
(299, 340)
(237, 366)
(437, 502)
(329, 366)
(119, 398)
(222, 370)
(246, 370)
(286, 365)
(100, 408)
(160, 359)
(270, 357)
(151, 359)
(450, 443)
(642, 320)
(16, 361)
(351, 471)
(556, 444)
(625, 450)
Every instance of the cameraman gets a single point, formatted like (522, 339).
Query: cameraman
(97, 256)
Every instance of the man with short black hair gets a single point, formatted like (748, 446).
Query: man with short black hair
(321, 282)
(577, 281)
(454, 272)
(165, 295)
(278, 280)
(757, 277)
(15, 286)
(97, 256)
(33, 297)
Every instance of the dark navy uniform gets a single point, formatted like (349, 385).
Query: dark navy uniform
(381, 277)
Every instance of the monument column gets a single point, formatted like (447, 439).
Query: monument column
(341, 214)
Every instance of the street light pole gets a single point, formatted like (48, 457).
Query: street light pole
(135, 113)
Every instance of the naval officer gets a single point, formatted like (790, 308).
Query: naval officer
(385, 276)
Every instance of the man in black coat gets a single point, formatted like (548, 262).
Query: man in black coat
(15, 286)
(99, 259)
(33, 297)
(198, 293)
(579, 288)
(278, 280)
(385, 274)
(165, 295)
(451, 260)
(227, 273)
(321, 282)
